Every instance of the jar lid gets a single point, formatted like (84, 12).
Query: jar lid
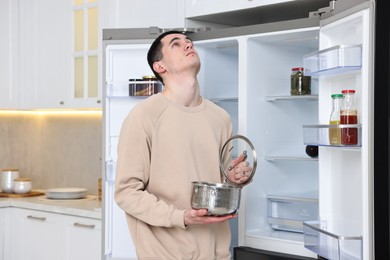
(23, 179)
(348, 91)
(149, 77)
(337, 95)
(297, 68)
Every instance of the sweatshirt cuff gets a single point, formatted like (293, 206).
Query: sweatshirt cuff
(177, 218)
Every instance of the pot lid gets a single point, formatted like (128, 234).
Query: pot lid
(234, 147)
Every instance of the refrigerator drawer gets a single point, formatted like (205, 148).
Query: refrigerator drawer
(320, 238)
(334, 60)
(288, 213)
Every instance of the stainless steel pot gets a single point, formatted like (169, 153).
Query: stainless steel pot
(224, 198)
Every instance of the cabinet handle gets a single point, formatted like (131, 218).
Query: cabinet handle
(36, 218)
(99, 101)
(76, 224)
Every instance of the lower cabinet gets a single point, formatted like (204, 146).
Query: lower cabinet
(82, 238)
(47, 236)
(5, 224)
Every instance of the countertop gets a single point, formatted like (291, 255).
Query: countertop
(90, 208)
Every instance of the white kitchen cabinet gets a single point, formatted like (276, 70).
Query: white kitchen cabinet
(5, 224)
(45, 36)
(35, 235)
(82, 238)
(45, 235)
(204, 7)
(142, 13)
(9, 87)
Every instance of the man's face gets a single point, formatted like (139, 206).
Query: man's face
(179, 54)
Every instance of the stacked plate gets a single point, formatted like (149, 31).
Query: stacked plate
(66, 193)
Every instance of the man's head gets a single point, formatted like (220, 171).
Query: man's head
(172, 40)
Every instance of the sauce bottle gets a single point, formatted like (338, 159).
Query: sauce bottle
(348, 116)
(335, 133)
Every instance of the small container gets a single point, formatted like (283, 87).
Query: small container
(300, 84)
(22, 185)
(146, 86)
(7, 179)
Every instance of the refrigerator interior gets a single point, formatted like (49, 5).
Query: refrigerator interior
(123, 61)
(250, 77)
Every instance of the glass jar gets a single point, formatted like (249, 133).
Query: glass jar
(349, 116)
(300, 84)
(335, 133)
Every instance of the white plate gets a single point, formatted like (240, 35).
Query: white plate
(66, 193)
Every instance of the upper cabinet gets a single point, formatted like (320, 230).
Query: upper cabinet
(232, 13)
(9, 87)
(44, 53)
(142, 13)
(50, 55)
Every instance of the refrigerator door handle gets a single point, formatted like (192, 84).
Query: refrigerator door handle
(110, 171)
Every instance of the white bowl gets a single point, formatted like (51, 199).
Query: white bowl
(22, 185)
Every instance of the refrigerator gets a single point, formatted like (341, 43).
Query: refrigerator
(334, 206)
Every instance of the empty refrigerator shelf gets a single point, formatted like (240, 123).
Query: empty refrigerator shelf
(320, 239)
(272, 158)
(334, 60)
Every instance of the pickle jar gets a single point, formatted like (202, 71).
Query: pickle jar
(300, 84)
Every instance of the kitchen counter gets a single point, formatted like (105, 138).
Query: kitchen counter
(90, 208)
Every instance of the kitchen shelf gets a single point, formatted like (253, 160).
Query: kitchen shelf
(319, 134)
(332, 241)
(292, 98)
(272, 158)
(334, 60)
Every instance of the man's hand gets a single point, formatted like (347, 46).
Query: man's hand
(199, 216)
(239, 169)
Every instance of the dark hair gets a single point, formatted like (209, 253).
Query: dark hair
(155, 53)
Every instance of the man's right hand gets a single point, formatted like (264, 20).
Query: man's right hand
(199, 216)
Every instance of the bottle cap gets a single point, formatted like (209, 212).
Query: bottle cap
(297, 68)
(348, 91)
(337, 95)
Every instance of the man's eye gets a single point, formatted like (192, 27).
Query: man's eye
(176, 44)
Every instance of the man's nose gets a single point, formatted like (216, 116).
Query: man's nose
(189, 45)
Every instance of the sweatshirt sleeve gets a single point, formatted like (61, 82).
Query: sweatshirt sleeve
(132, 176)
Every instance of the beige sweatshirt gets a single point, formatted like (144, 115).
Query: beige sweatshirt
(162, 148)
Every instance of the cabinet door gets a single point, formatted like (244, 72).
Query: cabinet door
(204, 7)
(143, 13)
(82, 238)
(5, 223)
(35, 235)
(45, 53)
(9, 54)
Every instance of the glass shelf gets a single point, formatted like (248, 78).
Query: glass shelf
(224, 99)
(292, 98)
(272, 158)
(319, 134)
(132, 88)
(334, 60)
(331, 241)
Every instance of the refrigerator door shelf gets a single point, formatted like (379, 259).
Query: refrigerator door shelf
(319, 134)
(319, 237)
(334, 60)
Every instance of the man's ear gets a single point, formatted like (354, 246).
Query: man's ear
(158, 67)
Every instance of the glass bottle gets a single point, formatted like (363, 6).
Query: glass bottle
(335, 133)
(348, 116)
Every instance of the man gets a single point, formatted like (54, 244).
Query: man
(168, 141)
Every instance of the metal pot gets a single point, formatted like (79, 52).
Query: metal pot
(224, 198)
